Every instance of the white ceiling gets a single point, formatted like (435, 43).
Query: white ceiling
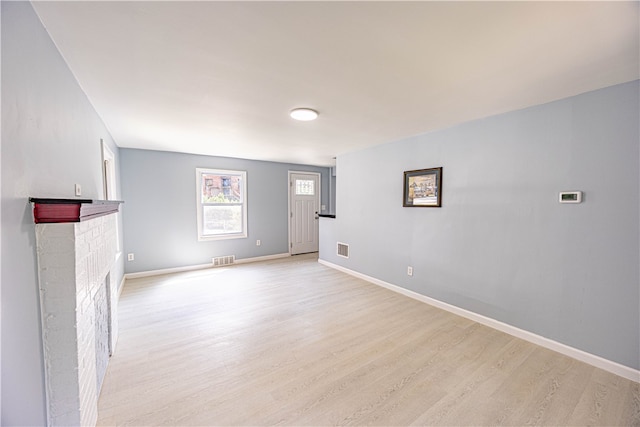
(219, 78)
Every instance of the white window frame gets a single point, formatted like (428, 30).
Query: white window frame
(200, 205)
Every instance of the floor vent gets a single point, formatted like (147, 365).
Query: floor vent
(223, 260)
(343, 250)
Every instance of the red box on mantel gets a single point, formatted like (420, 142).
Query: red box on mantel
(71, 210)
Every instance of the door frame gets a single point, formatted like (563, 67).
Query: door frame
(110, 192)
(290, 207)
(109, 177)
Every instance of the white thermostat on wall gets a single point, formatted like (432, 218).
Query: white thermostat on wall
(570, 197)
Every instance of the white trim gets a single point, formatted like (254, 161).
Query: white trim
(245, 198)
(583, 356)
(110, 182)
(261, 258)
(121, 287)
(200, 266)
(108, 156)
(160, 272)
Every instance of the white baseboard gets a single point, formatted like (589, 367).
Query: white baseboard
(121, 287)
(150, 273)
(591, 359)
(262, 258)
(200, 266)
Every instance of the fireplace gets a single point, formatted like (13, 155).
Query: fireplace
(78, 301)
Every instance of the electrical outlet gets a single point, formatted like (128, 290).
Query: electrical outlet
(409, 271)
(130, 257)
(258, 242)
(323, 207)
(78, 190)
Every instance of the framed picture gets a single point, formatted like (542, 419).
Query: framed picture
(423, 188)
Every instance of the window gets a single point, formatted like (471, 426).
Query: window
(222, 204)
(305, 187)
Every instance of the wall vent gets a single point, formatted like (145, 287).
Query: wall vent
(343, 250)
(223, 260)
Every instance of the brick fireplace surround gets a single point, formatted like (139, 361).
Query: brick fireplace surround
(74, 261)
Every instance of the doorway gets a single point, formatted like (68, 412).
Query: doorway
(110, 185)
(304, 204)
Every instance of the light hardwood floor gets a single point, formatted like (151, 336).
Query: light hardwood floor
(292, 342)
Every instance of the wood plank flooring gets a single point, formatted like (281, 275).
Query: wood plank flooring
(292, 342)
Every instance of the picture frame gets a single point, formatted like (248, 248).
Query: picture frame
(423, 188)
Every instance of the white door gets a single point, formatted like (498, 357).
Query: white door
(304, 201)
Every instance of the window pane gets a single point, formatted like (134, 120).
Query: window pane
(222, 209)
(221, 188)
(305, 187)
(221, 219)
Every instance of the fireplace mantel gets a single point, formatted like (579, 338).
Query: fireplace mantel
(47, 210)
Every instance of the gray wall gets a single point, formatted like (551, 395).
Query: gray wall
(501, 245)
(50, 141)
(160, 225)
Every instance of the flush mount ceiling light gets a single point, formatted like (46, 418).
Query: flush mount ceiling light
(303, 114)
